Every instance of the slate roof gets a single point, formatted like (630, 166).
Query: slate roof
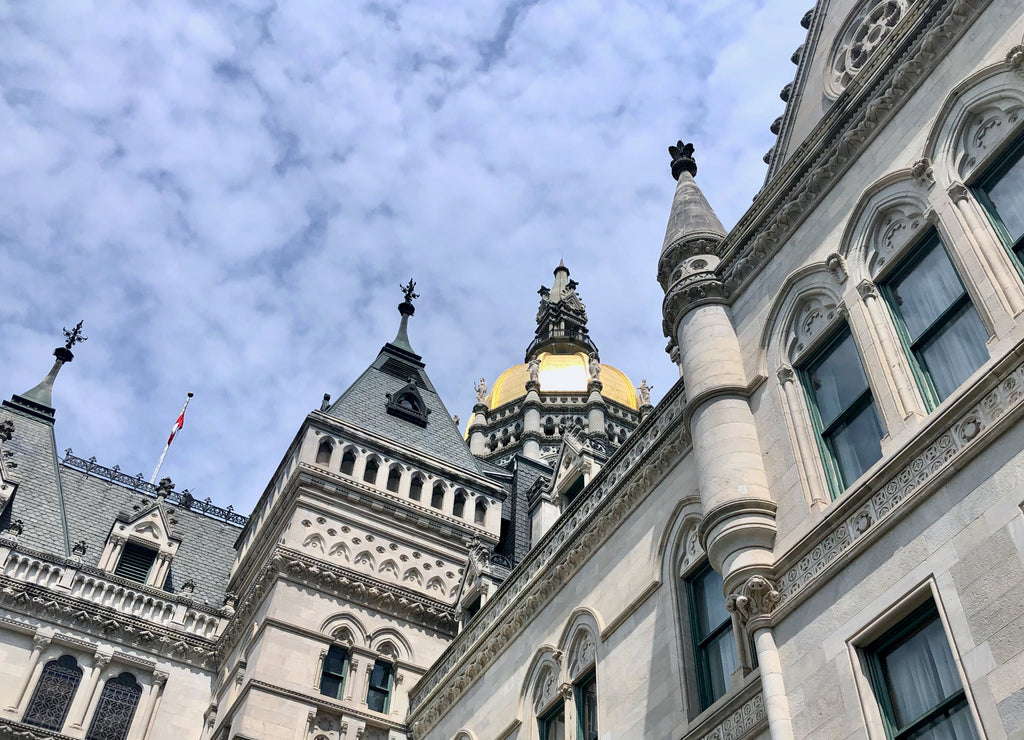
(60, 506)
(364, 404)
(515, 542)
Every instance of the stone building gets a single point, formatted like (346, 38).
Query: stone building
(816, 533)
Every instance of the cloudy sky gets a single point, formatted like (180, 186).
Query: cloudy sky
(230, 193)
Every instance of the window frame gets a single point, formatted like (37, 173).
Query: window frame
(579, 688)
(387, 692)
(922, 375)
(26, 716)
(702, 666)
(830, 460)
(906, 628)
(112, 682)
(136, 546)
(345, 666)
(545, 719)
(1013, 154)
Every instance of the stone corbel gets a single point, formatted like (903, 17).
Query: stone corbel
(922, 171)
(1015, 59)
(836, 264)
(754, 603)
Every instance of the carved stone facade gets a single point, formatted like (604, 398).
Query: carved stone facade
(396, 580)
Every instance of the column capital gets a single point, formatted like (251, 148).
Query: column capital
(755, 600)
(867, 289)
(565, 690)
(688, 293)
(958, 192)
(786, 374)
(41, 642)
(160, 678)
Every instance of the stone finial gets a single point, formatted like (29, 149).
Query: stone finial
(74, 336)
(406, 309)
(326, 402)
(6, 430)
(188, 587)
(164, 487)
(682, 159)
(16, 527)
(79, 549)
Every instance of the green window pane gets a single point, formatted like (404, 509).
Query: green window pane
(955, 351)
(837, 380)
(924, 293)
(855, 443)
(710, 604)
(552, 726)
(587, 709)
(720, 661)
(1007, 197)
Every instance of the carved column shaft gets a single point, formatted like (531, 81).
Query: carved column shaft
(807, 448)
(88, 695)
(39, 644)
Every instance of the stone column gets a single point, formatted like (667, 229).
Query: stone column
(477, 442)
(531, 421)
(88, 693)
(807, 447)
(753, 603)
(595, 410)
(39, 644)
(568, 710)
(145, 715)
(993, 254)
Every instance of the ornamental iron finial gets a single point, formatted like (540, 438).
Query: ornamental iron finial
(682, 159)
(74, 336)
(409, 291)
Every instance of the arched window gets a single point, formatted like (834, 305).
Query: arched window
(394, 478)
(54, 693)
(460, 504)
(332, 677)
(711, 632)
(437, 496)
(370, 474)
(480, 515)
(416, 488)
(115, 709)
(348, 462)
(323, 452)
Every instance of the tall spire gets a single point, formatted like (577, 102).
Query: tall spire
(406, 309)
(561, 318)
(693, 228)
(38, 400)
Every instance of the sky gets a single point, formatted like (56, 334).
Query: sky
(231, 193)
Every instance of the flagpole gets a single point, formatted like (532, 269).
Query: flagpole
(160, 462)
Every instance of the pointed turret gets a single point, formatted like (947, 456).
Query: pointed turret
(38, 400)
(693, 228)
(561, 319)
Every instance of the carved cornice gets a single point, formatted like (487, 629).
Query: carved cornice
(837, 142)
(688, 293)
(682, 249)
(628, 477)
(953, 437)
(106, 623)
(11, 730)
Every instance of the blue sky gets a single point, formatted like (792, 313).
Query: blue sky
(230, 193)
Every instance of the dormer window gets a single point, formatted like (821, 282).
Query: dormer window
(408, 404)
(135, 563)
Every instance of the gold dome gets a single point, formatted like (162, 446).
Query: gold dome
(562, 373)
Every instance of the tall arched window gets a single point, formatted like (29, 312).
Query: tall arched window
(323, 452)
(416, 488)
(481, 512)
(115, 709)
(348, 462)
(54, 693)
(394, 478)
(437, 496)
(370, 474)
(459, 509)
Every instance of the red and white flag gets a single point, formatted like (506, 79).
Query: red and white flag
(177, 426)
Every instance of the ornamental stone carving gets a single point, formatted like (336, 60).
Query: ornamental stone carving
(756, 599)
(864, 32)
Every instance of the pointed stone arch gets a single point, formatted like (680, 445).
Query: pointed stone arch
(978, 118)
(324, 451)
(365, 557)
(389, 566)
(413, 575)
(315, 542)
(391, 644)
(340, 550)
(436, 584)
(346, 628)
(540, 687)
(580, 641)
(805, 309)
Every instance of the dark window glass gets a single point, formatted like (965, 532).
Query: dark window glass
(394, 478)
(711, 627)
(917, 684)
(849, 431)
(586, 708)
(459, 509)
(332, 677)
(481, 512)
(115, 709)
(1002, 192)
(135, 562)
(416, 489)
(552, 724)
(348, 462)
(323, 452)
(938, 323)
(52, 698)
(437, 497)
(378, 693)
(370, 474)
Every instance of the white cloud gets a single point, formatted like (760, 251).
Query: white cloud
(230, 193)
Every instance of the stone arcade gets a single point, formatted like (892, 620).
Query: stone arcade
(816, 533)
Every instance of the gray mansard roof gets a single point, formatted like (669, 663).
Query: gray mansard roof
(64, 501)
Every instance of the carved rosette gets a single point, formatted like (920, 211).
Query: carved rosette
(754, 602)
(865, 31)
